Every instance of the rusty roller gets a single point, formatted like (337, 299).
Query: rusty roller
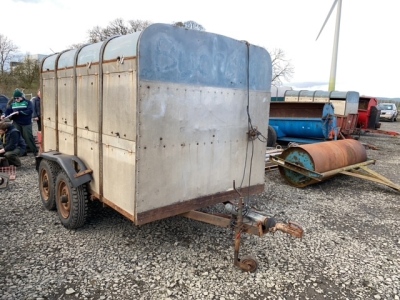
(325, 158)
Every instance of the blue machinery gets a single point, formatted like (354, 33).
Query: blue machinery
(303, 122)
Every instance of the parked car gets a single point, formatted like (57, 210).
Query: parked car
(3, 104)
(388, 111)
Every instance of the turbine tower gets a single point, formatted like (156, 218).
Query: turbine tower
(332, 78)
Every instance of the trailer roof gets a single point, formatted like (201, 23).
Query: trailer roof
(174, 54)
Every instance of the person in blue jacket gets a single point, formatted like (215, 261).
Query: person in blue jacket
(36, 110)
(20, 112)
(12, 145)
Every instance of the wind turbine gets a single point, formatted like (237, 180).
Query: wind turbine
(332, 78)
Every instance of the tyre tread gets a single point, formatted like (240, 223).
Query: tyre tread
(79, 204)
(52, 169)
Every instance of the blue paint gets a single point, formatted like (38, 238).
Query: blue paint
(301, 158)
(302, 130)
(191, 57)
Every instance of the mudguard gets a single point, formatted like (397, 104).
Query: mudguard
(74, 167)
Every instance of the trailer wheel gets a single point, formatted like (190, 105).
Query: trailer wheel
(272, 137)
(249, 264)
(47, 182)
(71, 202)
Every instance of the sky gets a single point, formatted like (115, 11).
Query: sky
(369, 48)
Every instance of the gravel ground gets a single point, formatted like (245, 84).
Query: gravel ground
(351, 247)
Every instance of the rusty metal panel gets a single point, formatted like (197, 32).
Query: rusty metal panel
(348, 123)
(296, 110)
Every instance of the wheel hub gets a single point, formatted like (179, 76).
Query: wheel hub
(64, 199)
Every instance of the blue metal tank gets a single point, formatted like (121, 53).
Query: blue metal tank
(303, 122)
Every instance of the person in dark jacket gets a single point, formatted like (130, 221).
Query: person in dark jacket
(11, 143)
(36, 111)
(21, 113)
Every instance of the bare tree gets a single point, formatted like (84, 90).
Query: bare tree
(138, 25)
(7, 52)
(120, 27)
(27, 74)
(190, 25)
(282, 68)
(116, 27)
(97, 34)
(76, 46)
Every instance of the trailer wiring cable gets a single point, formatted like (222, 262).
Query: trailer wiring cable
(250, 128)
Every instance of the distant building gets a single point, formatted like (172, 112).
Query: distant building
(37, 57)
(14, 64)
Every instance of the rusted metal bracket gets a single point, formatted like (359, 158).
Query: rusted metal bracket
(248, 221)
(258, 229)
(89, 171)
(291, 228)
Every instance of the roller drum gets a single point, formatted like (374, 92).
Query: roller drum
(321, 157)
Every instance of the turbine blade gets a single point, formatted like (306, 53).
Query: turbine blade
(327, 18)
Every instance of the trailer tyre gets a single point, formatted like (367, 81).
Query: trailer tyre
(71, 202)
(272, 137)
(47, 181)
